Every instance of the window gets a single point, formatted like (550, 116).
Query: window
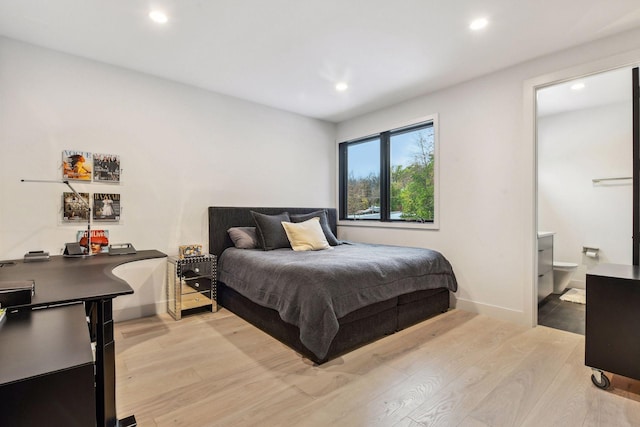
(390, 177)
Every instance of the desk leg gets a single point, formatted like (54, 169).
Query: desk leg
(101, 319)
(102, 322)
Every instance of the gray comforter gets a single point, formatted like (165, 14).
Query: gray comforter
(312, 290)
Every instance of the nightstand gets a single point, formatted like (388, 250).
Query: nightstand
(191, 285)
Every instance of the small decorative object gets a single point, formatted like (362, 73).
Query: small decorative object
(106, 168)
(99, 241)
(106, 207)
(186, 251)
(73, 208)
(76, 165)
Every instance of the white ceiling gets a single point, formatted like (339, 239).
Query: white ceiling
(289, 54)
(610, 87)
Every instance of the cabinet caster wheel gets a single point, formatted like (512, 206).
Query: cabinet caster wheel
(604, 382)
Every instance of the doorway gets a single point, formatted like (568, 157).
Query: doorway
(584, 131)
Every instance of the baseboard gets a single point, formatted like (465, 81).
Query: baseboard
(496, 312)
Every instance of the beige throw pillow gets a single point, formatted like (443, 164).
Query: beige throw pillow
(306, 236)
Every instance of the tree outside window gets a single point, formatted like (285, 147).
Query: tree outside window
(389, 177)
(364, 180)
(412, 183)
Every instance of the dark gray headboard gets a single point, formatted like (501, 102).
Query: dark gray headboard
(223, 218)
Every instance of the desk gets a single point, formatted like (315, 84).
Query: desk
(90, 280)
(47, 353)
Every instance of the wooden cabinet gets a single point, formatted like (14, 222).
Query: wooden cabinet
(191, 285)
(545, 266)
(612, 332)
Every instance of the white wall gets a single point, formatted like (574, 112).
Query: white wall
(574, 148)
(487, 178)
(148, 278)
(182, 149)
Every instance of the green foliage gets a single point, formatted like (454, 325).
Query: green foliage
(416, 197)
(363, 193)
(412, 186)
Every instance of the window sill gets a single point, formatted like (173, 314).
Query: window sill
(400, 225)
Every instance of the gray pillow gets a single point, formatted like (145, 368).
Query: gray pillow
(324, 223)
(271, 234)
(243, 237)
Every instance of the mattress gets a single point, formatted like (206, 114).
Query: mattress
(312, 290)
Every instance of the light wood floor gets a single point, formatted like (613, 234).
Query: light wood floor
(458, 369)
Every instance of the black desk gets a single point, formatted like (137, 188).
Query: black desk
(47, 373)
(90, 280)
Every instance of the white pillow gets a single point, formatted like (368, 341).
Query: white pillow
(306, 236)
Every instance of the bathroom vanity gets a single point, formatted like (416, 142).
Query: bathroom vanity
(545, 265)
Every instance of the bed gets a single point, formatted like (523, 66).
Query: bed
(325, 303)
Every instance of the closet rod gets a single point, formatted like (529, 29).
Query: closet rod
(596, 180)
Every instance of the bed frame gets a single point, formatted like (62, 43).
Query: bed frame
(356, 328)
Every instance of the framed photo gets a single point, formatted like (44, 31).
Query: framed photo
(106, 207)
(106, 168)
(76, 165)
(186, 251)
(73, 209)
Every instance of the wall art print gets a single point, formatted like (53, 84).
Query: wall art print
(76, 165)
(106, 207)
(106, 168)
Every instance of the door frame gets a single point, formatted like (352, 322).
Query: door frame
(636, 164)
(530, 88)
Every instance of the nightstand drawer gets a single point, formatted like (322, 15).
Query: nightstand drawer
(199, 284)
(194, 300)
(196, 269)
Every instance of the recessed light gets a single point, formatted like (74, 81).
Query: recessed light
(577, 86)
(158, 16)
(478, 24)
(341, 86)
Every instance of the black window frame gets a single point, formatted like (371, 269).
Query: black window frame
(385, 173)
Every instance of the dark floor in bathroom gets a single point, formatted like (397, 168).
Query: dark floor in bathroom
(564, 315)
